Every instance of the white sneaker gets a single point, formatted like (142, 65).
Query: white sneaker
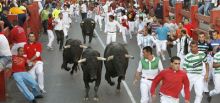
(43, 91)
(163, 58)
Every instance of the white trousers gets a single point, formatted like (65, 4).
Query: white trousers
(98, 19)
(124, 31)
(216, 90)
(50, 38)
(111, 37)
(197, 80)
(145, 86)
(211, 72)
(168, 99)
(38, 73)
(131, 25)
(182, 57)
(65, 30)
(14, 49)
(161, 45)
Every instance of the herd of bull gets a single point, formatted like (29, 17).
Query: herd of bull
(115, 58)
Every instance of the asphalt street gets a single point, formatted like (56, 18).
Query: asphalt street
(62, 87)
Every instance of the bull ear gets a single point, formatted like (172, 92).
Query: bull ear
(110, 58)
(83, 46)
(101, 58)
(82, 60)
(67, 46)
(129, 56)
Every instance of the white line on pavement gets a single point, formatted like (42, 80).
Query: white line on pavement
(124, 83)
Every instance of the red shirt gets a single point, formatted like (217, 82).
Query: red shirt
(172, 84)
(17, 35)
(18, 63)
(30, 50)
(50, 24)
(188, 28)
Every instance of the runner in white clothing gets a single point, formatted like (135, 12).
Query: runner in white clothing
(111, 28)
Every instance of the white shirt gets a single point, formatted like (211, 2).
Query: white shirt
(74, 7)
(147, 40)
(149, 74)
(112, 26)
(66, 17)
(84, 8)
(59, 25)
(180, 44)
(4, 46)
(141, 26)
(171, 26)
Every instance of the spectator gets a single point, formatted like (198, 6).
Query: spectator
(23, 78)
(21, 14)
(17, 37)
(4, 18)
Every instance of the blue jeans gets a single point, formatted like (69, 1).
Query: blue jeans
(25, 80)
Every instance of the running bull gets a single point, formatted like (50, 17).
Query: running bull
(71, 54)
(91, 64)
(87, 25)
(117, 62)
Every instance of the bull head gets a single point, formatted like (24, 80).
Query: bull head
(67, 46)
(101, 58)
(82, 60)
(129, 56)
(83, 46)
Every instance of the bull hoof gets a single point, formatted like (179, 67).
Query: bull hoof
(96, 99)
(112, 83)
(67, 69)
(86, 99)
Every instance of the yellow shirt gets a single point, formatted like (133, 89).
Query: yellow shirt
(0, 7)
(56, 13)
(16, 10)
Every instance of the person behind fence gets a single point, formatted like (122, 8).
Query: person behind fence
(173, 80)
(193, 64)
(5, 52)
(23, 79)
(33, 50)
(148, 68)
(17, 11)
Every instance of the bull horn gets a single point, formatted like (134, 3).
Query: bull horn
(83, 46)
(129, 56)
(82, 22)
(82, 60)
(110, 58)
(67, 46)
(93, 22)
(101, 58)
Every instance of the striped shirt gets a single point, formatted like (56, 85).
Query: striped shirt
(193, 63)
(204, 47)
(217, 60)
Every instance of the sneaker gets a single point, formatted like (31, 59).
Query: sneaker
(39, 96)
(43, 91)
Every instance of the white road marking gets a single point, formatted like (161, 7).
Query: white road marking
(124, 83)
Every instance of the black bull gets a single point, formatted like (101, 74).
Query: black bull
(116, 63)
(91, 64)
(71, 54)
(87, 25)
